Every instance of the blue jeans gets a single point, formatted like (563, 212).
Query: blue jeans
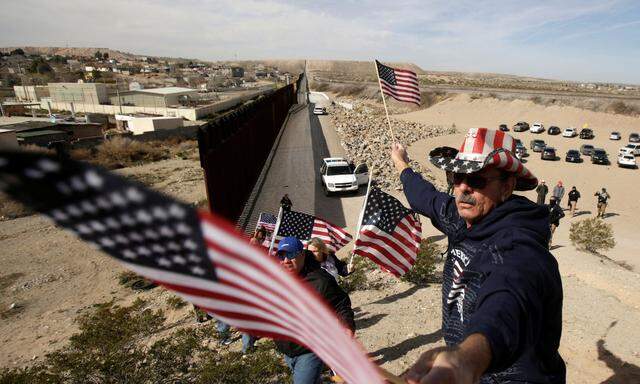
(306, 368)
(248, 341)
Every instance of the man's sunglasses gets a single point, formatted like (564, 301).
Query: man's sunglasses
(287, 255)
(475, 181)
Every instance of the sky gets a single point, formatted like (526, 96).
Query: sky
(581, 40)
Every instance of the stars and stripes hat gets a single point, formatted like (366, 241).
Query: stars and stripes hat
(483, 147)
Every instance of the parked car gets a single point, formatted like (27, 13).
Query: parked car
(569, 132)
(338, 175)
(319, 110)
(573, 156)
(537, 128)
(634, 138)
(586, 133)
(586, 149)
(503, 127)
(626, 161)
(635, 148)
(521, 152)
(615, 136)
(599, 156)
(548, 153)
(521, 126)
(626, 151)
(537, 145)
(553, 130)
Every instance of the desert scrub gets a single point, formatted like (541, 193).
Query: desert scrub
(120, 152)
(592, 235)
(111, 348)
(174, 302)
(357, 280)
(621, 108)
(423, 270)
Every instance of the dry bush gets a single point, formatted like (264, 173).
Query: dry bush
(82, 154)
(592, 235)
(621, 108)
(11, 209)
(423, 270)
(120, 152)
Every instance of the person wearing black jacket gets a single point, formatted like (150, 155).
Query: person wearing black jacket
(501, 290)
(306, 366)
(555, 214)
(574, 195)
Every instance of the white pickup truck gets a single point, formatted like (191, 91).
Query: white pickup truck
(339, 175)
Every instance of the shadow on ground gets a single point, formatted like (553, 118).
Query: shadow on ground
(387, 354)
(366, 322)
(623, 372)
(329, 208)
(397, 296)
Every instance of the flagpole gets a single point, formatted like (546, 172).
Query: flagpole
(366, 197)
(275, 230)
(386, 111)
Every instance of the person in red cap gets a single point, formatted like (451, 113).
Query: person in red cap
(501, 291)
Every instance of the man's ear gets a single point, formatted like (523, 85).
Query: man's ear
(508, 187)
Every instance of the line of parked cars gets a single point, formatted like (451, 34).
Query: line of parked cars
(626, 155)
(569, 132)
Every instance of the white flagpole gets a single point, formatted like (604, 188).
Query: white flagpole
(364, 205)
(386, 111)
(275, 230)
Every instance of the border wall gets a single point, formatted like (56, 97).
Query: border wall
(234, 148)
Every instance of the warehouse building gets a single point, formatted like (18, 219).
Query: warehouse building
(84, 93)
(156, 97)
(30, 92)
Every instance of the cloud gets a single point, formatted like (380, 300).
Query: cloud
(494, 36)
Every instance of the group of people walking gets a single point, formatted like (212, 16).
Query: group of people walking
(556, 212)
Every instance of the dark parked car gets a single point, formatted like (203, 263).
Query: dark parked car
(521, 126)
(553, 130)
(548, 153)
(586, 149)
(503, 127)
(573, 156)
(586, 133)
(537, 145)
(599, 156)
(634, 138)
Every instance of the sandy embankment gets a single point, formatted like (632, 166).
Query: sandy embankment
(598, 293)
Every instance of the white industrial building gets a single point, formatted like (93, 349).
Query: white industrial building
(30, 92)
(140, 125)
(155, 97)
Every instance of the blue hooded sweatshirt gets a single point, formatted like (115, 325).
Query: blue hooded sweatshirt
(499, 280)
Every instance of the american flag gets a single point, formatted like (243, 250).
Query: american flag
(195, 254)
(268, 221)
(389, 233)
(401, 84)
(305, 227)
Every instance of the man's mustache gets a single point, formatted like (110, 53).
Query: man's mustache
(464, 198)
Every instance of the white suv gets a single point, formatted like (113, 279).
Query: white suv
(569, 132)
(635, 148)
(319, 110)
(338, 175)
(536, 128)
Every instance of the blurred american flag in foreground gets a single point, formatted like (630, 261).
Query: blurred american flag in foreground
(195, 254)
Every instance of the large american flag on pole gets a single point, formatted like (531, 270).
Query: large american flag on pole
(401, 84)
(193, 253)
(304, 227)
(389, 233)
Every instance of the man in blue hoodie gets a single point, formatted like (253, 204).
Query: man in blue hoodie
(501, 291)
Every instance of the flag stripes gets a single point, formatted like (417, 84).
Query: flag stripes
(400, 84)
(198, 256)
(389, 233)
(304, 227)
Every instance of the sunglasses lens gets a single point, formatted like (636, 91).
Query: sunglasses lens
(474, 181)
(287, 255)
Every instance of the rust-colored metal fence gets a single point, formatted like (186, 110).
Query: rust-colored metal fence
(234, 147)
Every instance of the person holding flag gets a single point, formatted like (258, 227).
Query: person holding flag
(502, 291)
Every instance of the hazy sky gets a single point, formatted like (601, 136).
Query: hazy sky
(593, 40)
